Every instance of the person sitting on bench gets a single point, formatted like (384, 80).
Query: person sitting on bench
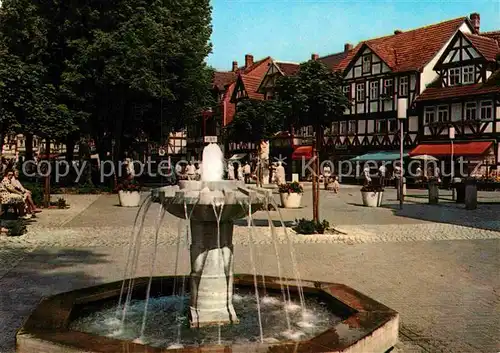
(25, 192)
(10, 196)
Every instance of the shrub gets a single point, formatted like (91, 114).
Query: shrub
(37, 192)
(372, 188)
(61, 203)
(16, 228)
(289, 188)
(306, 226)
(128, 185)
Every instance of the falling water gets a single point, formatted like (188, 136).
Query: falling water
(252, 260)
(161, 215)
(295, 266)
(280, 275)
(133, 240)
(212, 168)
(187, 217)
(135, 257)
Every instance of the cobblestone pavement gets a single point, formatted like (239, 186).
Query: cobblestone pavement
(442, 277)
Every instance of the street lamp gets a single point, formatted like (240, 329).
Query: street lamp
(451, 134)
(402, 112)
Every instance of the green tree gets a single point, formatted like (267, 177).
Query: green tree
(312, 97)
(255, 121)
(143, 65)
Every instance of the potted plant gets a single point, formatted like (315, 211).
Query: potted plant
(129, 193)
(291, 194)
(372, 195)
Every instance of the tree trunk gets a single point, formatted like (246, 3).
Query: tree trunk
(70, 147)
(47, 178)
(259, 166)
(29, 147)
(315, 180)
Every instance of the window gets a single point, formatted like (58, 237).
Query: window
(443, 113)
(352, 126)
(468, 74)
(388, 87)
(360, 92)
(486, 110)
(454, 76)
(403, 86)
(393, 125)
(381, 126)
(470, 111)
(343, 127)
(335, 128)
(374, 90)
(429, 115)
(367, 63)
(347, 91)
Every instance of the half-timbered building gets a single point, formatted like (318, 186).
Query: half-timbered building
(223, 85)
(463, 99)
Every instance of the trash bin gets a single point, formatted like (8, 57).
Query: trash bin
(459, 186)
(433, 191)
(470, 194)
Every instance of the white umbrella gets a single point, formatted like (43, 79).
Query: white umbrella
(425, 157)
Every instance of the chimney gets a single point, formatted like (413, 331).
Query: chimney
(347, 47)
(398, 31)
(235, 66)
(314, 57)
(475, 20)
(248, 61)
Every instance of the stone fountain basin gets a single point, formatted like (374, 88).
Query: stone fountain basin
(197, 199)
(366, 326)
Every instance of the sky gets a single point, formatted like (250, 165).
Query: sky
(292, 30)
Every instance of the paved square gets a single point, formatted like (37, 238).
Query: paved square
(436, 265)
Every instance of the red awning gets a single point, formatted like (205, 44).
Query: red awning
(302, 152)
(477, 148)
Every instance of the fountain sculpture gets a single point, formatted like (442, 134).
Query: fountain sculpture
(212, 204)
(342, 320)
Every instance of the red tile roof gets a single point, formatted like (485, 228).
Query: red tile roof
(252, 67)
(251, 85)
(473, 148)
(410, 50)
(288, 69)
(487, 47)
(221, 79)
(493, 35)
(333, 60)
(437, 93)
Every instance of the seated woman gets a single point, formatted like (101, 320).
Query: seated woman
(25, 192)
(10, 196)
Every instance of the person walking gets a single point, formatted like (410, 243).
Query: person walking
(382, 171)
(247, 171)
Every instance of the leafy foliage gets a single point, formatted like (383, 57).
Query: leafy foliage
(372, 188)
(305, 226)
(128, 185)
(120, 69)
(16, 227)
(312, 97)
(255, 121)
(289, 188)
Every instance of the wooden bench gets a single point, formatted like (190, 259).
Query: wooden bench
(10, 205)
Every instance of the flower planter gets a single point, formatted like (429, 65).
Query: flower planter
(129, 198)
(290, 200)
(371, 198)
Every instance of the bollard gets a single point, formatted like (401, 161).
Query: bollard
(433, 192)
(460, 187)
(470, 194)
(404, 186)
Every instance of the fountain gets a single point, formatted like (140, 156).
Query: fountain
(325, 317)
